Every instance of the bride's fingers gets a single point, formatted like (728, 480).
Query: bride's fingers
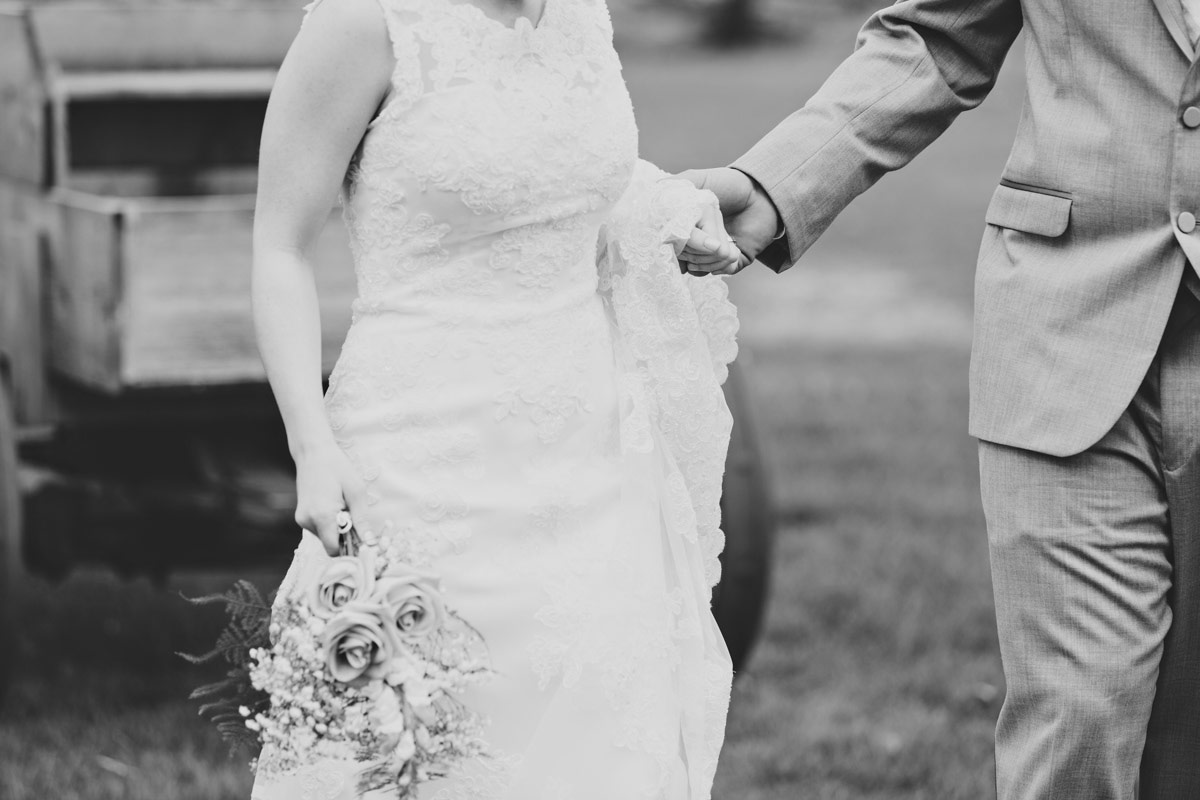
(704, 248)
(731, 267)
(709, 243)
(727, 268)
(712, 263)
(735, 267)
(728, 253)
(324, 525)
(721, 267)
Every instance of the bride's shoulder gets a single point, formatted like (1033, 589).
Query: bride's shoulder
(345, 23)
(341, 58)
(344, 39)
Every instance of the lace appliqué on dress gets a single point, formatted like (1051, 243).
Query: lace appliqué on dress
(679, 332)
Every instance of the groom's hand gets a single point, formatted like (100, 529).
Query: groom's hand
(750, 216)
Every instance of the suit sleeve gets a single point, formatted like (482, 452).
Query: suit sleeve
(916, 66)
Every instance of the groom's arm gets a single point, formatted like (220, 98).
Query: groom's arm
(917, 65)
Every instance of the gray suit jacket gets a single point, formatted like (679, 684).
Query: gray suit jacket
(1085, 244)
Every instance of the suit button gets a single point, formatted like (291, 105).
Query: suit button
(1191, 117)
(1186, 222)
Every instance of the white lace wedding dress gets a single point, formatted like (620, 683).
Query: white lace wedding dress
(532, 392)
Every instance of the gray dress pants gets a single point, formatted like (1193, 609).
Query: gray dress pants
(1096, 573)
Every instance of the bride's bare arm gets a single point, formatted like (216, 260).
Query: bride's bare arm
(331, 83)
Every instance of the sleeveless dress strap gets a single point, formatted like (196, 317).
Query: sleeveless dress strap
(407, 84)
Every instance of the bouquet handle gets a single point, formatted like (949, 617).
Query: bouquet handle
(349, 541)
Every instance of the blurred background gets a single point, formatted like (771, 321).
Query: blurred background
(876, 673)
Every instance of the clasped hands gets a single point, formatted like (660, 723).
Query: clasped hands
(727, 243)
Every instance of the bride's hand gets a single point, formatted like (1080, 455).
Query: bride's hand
(710, 250)
(326, 483)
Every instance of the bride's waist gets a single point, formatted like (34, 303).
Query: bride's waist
(418, 310)
(493, 357)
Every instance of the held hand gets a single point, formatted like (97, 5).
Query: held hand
(750, 217)
(721, 255)
(326, 483)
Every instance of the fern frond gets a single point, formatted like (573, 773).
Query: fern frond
(248, 628)
(209, 689)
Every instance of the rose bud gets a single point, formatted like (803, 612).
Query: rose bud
(357, 644)
(345, 580)
(414, 602)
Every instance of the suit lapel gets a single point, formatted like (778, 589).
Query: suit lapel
(1171, 12)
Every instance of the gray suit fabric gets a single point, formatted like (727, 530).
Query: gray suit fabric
(1080, 255)
(1085, 370)
(1084, 549)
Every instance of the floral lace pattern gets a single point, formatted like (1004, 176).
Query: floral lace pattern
(679, 336)
(531, 392)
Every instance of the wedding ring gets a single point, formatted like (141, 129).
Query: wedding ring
(344, 523)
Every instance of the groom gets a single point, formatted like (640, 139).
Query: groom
(1085, 373)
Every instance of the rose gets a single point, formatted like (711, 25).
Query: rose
(357, 644)
(414, 603)
(345, 580)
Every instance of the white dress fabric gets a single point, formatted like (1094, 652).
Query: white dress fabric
(531, 391)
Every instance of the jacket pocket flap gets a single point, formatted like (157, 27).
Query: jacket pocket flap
(1029, 210)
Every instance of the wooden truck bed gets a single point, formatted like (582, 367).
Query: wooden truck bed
(155, 292)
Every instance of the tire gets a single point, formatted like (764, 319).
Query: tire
(10, 535)
(748, 519)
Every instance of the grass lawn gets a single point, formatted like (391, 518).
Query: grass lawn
(878, 675)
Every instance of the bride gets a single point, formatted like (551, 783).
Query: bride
(528, 400)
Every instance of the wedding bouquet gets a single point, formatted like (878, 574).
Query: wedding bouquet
(364, 663)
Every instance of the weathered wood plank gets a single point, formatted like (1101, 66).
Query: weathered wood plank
(149, 181)
(188, 316)
(84, 238)
(22, 139)
(22, 300)
(150, 36)
(155, 292)
(10, 532)
(184, 83)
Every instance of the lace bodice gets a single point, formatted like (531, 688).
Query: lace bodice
(485, 176)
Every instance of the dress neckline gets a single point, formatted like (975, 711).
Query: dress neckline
(521, 24)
